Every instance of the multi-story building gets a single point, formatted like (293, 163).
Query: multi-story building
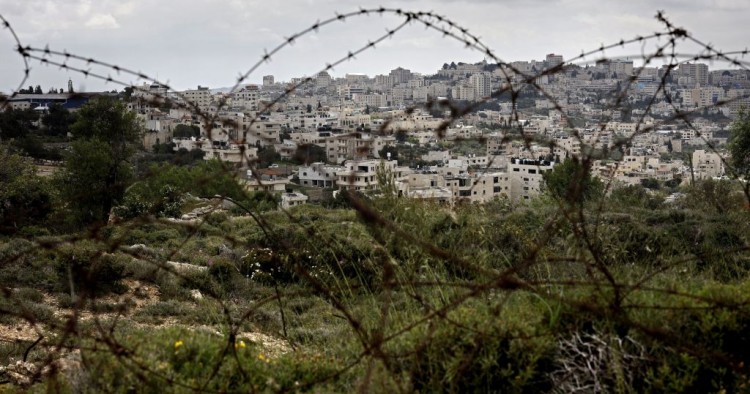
(707, 164)
(526, 177)
(319, 175)
(482, 83)
(200, 97)
(553, 60)
(292, 199)
(697, 72)
(355, 146)
(400, 75)
(247, 97)
(479, 187)
(362, 175)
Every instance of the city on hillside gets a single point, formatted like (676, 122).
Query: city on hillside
(653, 124)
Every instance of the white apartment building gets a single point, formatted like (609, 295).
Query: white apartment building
(200, 97)
(479, 187)
(261, 132)
(361, 175)
(482, 83)
(319, 175)
(707, 164)
(292, 199)
(355, 146)
(464, 92)
(247, 97)
(566, 147)
(526, 177)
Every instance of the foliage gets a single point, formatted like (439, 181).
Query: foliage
(185, 131)
(267, 155)
(383, 153)
(571, 292)
(710, 195)
(739, 149)
(57, 120)
(25, 198)
(15, 123)
(32, 146)
(84, 270)
(635, 196)
(185, 359)
(93, 181)
(309, 153)
(571, 182)
(97, 170)
(134, 205)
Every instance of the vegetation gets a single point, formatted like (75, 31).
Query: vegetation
(739, 148)
(152, 283)
(25, 198)
(97, 171)
(423, 284)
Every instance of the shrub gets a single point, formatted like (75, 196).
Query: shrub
(90, 271)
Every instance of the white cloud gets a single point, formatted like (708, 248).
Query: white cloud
(102, 21)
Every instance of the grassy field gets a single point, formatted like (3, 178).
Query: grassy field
(389, 295)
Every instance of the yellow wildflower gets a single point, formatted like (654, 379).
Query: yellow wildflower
(261, 357)
(177, 344)
(239, 345)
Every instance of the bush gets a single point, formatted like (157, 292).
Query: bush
(89, 270)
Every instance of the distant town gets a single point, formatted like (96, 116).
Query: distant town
(660, 124)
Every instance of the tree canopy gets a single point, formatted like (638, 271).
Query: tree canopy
(571, 182)
(25, 198)
(739, 145)
(97, 170)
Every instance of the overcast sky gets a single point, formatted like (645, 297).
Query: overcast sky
(190, 42)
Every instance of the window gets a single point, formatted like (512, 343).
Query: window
(532, 171)
(516, 170)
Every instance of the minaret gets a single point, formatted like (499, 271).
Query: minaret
(70, 85)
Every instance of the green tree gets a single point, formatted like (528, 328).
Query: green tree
(266, 156)
(383, 153)
(58, 120)
(739, 145)
(185, 131)
(650, 183)
(16, 123)
(97, 170)
(571, 182)
(25, 198)
(739, 149)
(32, 146)
(631, 196)
(309, 153)
(162, 190)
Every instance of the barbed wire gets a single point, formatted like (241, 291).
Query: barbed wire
(375, 340)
